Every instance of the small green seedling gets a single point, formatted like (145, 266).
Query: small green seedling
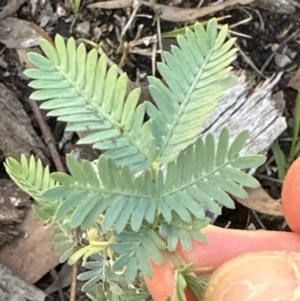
(151, 187)
(284, 162)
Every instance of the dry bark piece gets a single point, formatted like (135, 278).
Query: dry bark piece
(256, 111)
(17, 135)
(32, 257)
(13, 288)
(13, 205)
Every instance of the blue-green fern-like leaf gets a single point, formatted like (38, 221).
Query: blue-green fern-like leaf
(34, 179)
(78, 88)
(65, 242)
(101, 283)
(197, 75)
(178, 230)
(136, 250)
(202, 177)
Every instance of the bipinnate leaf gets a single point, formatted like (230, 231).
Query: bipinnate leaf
(180, 231)
(79, 88)
(64, 239)
(34, 179)
(196, 73)
(103, 284)
(200, 179)
(155, 180)
(136, 250)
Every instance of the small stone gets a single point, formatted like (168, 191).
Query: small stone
(282, 60)
(61, 11)
(274, 47)
(292, 54)
(84, 28)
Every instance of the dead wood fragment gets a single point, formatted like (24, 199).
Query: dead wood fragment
(171, 13)
(17, 135)
(256, 111)
(13, 205)
(32, 257)
(240, 109)
(14, 289)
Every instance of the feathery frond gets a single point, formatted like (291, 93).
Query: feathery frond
(78, 88)
(64, 239)
(136, 249)
(101, 283)
(196, 75)
(155, 181)
(34, 179)
(178, 230)
(202, 174)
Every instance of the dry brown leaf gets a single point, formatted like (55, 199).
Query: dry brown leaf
(178, 14)
(295, 81)
(10, 8)
(32, 257)
(17, 33)
(115, 4)
(260, 201)
(171, 13)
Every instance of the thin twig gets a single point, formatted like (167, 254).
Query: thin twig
(153, 60)
(136, 7)
(47, 136)
(262, 24)
(157, 20)
(74, 282)
(159, 38)
(242, 21)
(200, 3)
